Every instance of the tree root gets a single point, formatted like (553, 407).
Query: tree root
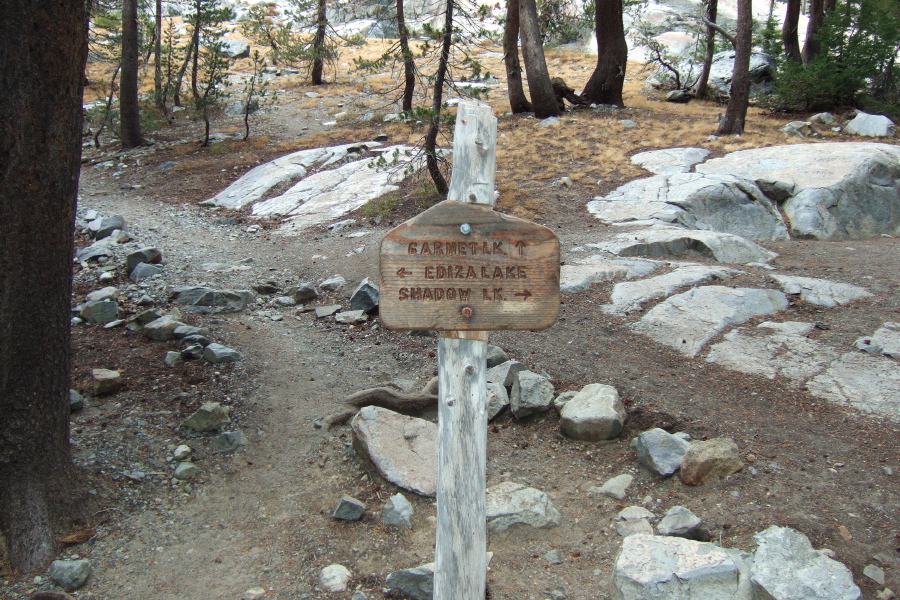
(395, 400)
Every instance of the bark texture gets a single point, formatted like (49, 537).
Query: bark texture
(130, 109)
(789, 36)
(811, 47)
(736, 113)
(409, 65)
(518, 101)
(542, 97)
(318, 65)
(712, 9)
(42, 61)
(605, 84)
(431, 158)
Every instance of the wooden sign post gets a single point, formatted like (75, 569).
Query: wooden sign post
(462, 269)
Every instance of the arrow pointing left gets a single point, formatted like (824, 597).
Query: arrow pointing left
(402, 272)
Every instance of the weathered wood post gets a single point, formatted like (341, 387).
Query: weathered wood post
(462, 269)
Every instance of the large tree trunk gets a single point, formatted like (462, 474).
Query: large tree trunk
(318, 65)
(605, 84)
(42, 60)
(539, 86)
(518, 102)
(130, 109)
(431, 158)
(789, 36)
(409, 65)
(712, 9)
(736, 113)
(811, 46)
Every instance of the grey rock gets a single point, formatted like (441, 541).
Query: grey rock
(705, 460)
(403, 449)
(173, 359)
(211, 416)
(616, 487)
(628, 123)
(327, 311)
(681, 522)
(549, 122)
(195, 340)
(553, 557)
(217, 353)
(107, 293)
(233, 48)
(865, 382)
(511, 503)
(93, 251)
(144, 271)
(207, 300)
(824, 118)
(679, 97)
(505, 373)
(830, 191)
(99, 311)
(803, 129)
(820, 292)
(148, 255)
(416, 583)
(688, 320)
(495, 356)
(332, 284)
(349, 509)
(334, 578)
(266, 288)
(651, 567)
(351, 316)
(284, 301)
(397, 511)
(229, 441)
(875, 573)
(365, 297)
(302, 293)
(670, 160)
(660, 451)
(628, 296)
(70, 574)
(186, 470)
(596, 413)
(103, 227)
(531, 394)
(192, 352)
(358, 595)
(105, 381)
(786, 567)
(498, 399)
(141, 319)
(182, 452)
(871, 125)
(76, 401)
(183, 331)
(634, 520)
(886, 337)
(161, 329)
(660, 241)
(560, 401)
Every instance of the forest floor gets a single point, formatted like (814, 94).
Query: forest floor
(260, 518)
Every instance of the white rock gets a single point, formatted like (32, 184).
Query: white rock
(663, 240)
(629, 295)
(596, 413)
(688, 320)
(334, 578)
(511, 503)
(670, 160)
(617, 486)
(871, 125)
(868, 383)
(820, 291)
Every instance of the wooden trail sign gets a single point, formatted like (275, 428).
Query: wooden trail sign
(462, 269)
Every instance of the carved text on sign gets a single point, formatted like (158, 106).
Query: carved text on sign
(503, 273)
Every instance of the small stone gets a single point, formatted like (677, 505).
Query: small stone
(511, 503)
(186, 470)
(875, 573)
(498, 399)
(558, 593)
(106, 381)
(349, 509)
(357, 595)
(106, 276)
(617, 486)
(705, 460)
(302, 293)
(212, 416)
(76, 401)
(107, 293)
(679, 97)
(660, 451)
(183, 331)
(196, 338)
(182, 452)
(141, 319)
(332, 284)
(681, 522)
(253, 594)
(505, 372)
(99, 311)
(365, 297)
(284, 301)
(173, 359)
(553, 557)
(217, 353)
(149, 256)
(351, 316)
(495, 356)
(565, 181)
(144, 271)
(397, 511)
(334, 578)
(161, 329)
(824, 118)
(416, 583)
(70, 574)
(192, 352)
(229, 441)
(549, 122)
(887, 471)
(327, 311)
(628, 123)
(531, 394)
(560, 401)
(596, 413)
(886, 594)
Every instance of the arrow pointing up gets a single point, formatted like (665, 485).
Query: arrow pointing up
(521, 246)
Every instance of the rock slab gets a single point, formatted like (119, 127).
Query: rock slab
(511, 503)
